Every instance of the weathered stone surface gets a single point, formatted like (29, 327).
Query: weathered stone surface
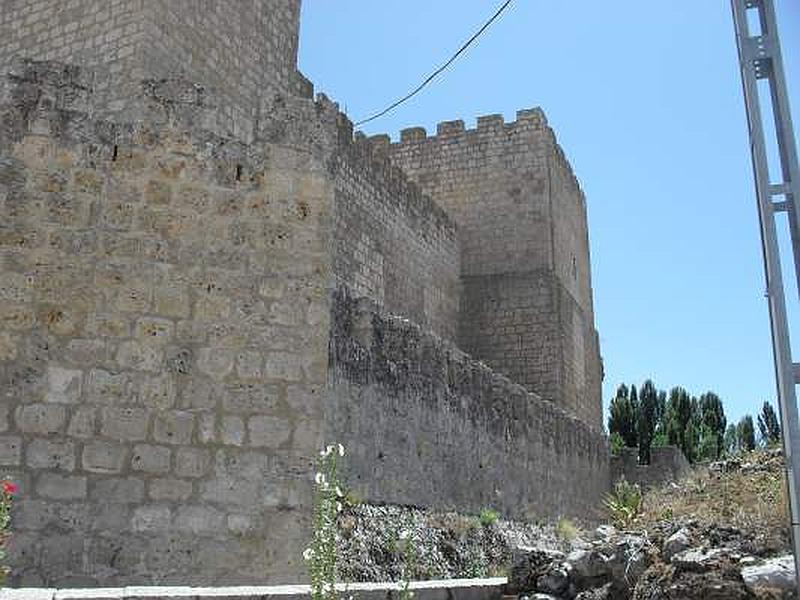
(151, 459)
(61, 487)
(10, 450)
(268, 431)
(677, 542)
(173, 427)
(50, 454)
(390, 367)
(128, 424)
(774, 573)
(169, 489)
(192, 462)
(151, 518)
(103, 457)
(41, 418)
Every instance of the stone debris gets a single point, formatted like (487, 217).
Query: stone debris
(775, 573)
(677, 542)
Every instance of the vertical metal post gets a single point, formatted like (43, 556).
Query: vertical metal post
(760, 58)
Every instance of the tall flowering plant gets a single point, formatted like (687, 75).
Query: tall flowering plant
(7, 491)
(321, 555)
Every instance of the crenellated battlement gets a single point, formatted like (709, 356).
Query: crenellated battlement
(527, 120)
(487, 128)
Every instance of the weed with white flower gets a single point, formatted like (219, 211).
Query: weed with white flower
(321, 556)
(406, 544)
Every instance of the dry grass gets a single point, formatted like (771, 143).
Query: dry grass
(749, 498)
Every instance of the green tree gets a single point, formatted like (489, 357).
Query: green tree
(678, 421)
(713, 424)
(648, 407)
(661, 414)
(745, 433)
(731, 439)
(622, 417)
(768, 425)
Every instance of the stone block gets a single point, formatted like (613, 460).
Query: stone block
(50, 454)
(151, 459)
(61, 487)
(267, 431)
(171, 300)
(246, 398)
(158, 192)
(41, 418)
(248, 365)
(62, 553)
(17, 317)
(118, 490)
(125, 424)
(83, 423)
(110, 517)
(8, 345)
(169, 488)
(157, 391)
(192, 462)
(211, 307)
(5, 409)
(217, 363)
(107, 387)
(201, 392)
(139, 356)
(154, 330)
(173, 427)
(241, 524)
(63, 385)
(199, 520)
(10, 451)
(151, 518)
(206, 428)
(232, 431)
(283, 366)
(103, 457)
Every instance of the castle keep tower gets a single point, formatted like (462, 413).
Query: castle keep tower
(526, 304)
(205, 275)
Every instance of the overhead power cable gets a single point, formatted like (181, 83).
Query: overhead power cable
(433, 75)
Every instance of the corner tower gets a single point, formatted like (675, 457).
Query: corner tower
(243, 52)
(526, 306)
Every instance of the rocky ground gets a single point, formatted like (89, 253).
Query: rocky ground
(720, 534)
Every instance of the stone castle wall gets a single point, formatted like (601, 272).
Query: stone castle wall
(666, 464)
(163, 348)
(427, 425)
(393, 244)
(179, 266)
(242, 52)
(526, 307)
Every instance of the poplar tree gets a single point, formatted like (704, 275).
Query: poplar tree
(768, 425)
(648, 407)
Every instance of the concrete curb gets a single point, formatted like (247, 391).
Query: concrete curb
(437, 589)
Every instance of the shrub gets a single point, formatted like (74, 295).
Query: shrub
(566, 530)
(624, 503)
(488, 517)
(616, 442)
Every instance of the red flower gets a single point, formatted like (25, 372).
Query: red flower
(10, 488)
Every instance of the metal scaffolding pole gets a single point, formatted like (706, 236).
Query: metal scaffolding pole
(760, 58)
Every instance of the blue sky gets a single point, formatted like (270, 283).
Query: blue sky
(645, 98)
